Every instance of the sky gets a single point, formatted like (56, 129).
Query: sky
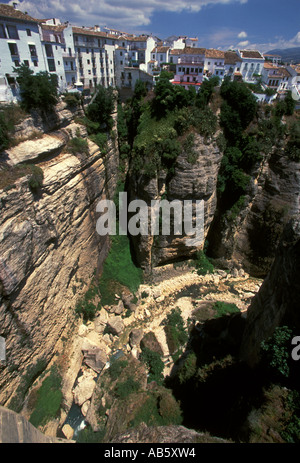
(223, 24)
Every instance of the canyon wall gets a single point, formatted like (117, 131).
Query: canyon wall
(252, 237)
(190, 181)
(49, 245)
(277, 302)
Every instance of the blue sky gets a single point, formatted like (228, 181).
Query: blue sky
(261, 24)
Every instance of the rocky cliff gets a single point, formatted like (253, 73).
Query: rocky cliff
(250, 236)
(196, 180)
(277, 302)
(49, 245)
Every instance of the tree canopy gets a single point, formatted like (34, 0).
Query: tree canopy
(36, 90)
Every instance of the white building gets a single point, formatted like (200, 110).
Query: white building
(190, 68)
(277, 78)
(214, 63)
(20, 43)
(252, 64)
(232, 65)
(94, 51)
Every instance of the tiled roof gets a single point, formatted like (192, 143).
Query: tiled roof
(86, 31)
(142, 38)
(193, 51)
(251, 54)
(212, 53)
(231, 57)
(160, 50)
(176, 51)
(50, 27)
(11, 12)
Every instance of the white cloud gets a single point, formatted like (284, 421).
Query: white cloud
(244, 43)
(242, 35)
(124, 14)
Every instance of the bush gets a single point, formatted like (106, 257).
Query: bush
(78, 145)
(116, 368)
(276, 351)
(203, 265)
(49, 399)
(224, 308)
(36, 178)
(154, 363)
(175, 330)
(38, 91)
(101, 108)
(125, 388)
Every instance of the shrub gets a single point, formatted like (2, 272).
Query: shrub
(276, 351)
(154, 363)
(36, 178)
(175, 330)
(78, 145)
(203, 265)
(125, 388)
(224, 308)
(37, 90)
(116, 368)
(49, 399)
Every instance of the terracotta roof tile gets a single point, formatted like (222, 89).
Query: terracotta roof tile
(11, 12)
(251, 54)
(212, 53)
(231, 57)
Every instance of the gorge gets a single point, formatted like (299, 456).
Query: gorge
(157, 314)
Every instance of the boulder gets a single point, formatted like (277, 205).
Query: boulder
(149, 341)
(95, 358)
(115, 325)
(68, 431)
(119, 309)
(135, 337)
(85, 407)
(84, 390)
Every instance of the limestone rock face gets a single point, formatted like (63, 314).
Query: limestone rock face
(272, 200)
(277, 302)
(190, 181)
(49, 250)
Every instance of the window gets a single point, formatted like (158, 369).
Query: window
(13, 49)
(49, 51)
(121, 63)
(26, 62)
(88, 61)
(51, 65)
(17, 63)
(2, 32)
(28, 32)
(12, 32)
(121, 53)
(35, 63)
(32, 50)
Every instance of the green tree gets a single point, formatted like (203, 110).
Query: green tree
(100, 109)
(37, 90)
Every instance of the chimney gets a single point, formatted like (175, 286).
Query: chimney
(15, 5)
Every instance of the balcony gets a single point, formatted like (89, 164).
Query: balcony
(191, 60)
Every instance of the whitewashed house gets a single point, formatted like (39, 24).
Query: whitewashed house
(277, 78)
(20, 43)
(252, 64)
(214, 63)
(190, 68)
(94, 52)
(232, 65)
